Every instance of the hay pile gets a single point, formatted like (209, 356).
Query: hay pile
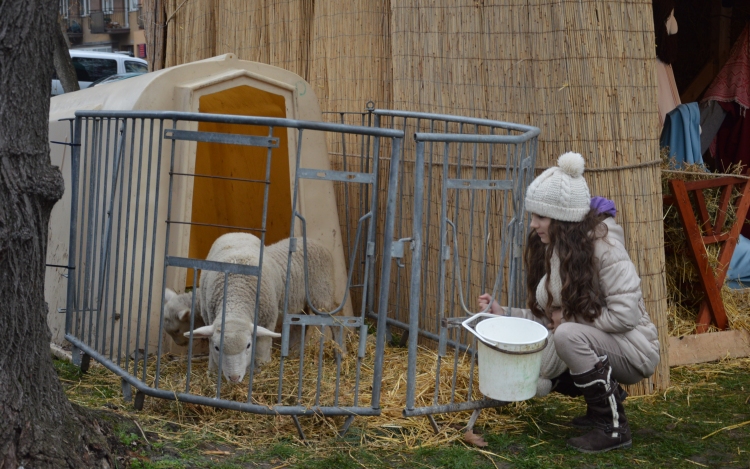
(684, 294)
(389, 431)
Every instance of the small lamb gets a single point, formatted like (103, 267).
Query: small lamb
(177, 314)
(244, 248)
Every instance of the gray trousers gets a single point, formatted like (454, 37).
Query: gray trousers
(580, 347)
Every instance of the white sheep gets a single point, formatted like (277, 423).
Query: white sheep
(177, 314)
(240, 302)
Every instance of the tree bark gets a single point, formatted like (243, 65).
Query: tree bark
(66, 72)
(39, 428)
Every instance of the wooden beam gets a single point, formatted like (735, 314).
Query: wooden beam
(724, 41)
(700, 83)
(702, 348)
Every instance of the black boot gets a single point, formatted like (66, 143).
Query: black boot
(584, 422)
(564, 385)
(605, 413)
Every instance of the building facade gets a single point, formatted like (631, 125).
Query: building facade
(105, 25)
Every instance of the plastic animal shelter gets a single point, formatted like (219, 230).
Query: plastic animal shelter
(421, 213)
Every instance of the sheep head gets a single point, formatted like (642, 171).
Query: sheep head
(177, 317)
(238, 342)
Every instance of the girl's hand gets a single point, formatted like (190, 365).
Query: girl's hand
(484, 301)
(556, 318)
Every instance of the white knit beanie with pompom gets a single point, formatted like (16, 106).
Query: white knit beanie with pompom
(560, 192)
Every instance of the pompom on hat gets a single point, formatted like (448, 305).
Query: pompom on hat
(561, 192)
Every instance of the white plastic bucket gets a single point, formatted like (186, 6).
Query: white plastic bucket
(510, 355)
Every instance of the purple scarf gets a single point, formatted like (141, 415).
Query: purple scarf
(603, 205)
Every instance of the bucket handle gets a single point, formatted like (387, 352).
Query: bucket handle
(471, 328)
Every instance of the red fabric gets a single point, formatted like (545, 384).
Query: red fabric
(732, 143)
(732, 84)
(731, 88)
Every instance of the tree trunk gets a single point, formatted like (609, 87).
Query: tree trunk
(40, 428)
(66, 72)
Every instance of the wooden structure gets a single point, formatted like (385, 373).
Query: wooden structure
(702, 348)
(581, 72)
(217, 202)
(705, 232)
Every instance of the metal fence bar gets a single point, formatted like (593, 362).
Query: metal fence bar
(70, 309)
(143, 254)
(230, 139)
(260, 263)
(135, 246)
(103, 294)
(249, 120)
(126, 246)
(385, 275)
(80, 281)
(93, 221)
(153, 248)
(101, 271)
(164, 277)
(416, 277)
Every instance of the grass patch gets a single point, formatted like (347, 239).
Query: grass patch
(697, 422)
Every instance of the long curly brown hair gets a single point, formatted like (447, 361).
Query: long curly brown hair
(574, 244)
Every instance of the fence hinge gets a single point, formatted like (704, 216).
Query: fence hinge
(397, 250)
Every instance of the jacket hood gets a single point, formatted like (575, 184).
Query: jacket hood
(615, 231)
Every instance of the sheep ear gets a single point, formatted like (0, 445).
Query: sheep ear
(205, 332)
(168, 295)
(183, 315)
(263, 332)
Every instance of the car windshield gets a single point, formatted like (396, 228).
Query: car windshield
(89, 69)
(117, 77)
(137, 67)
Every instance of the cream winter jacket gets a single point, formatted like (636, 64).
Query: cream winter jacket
(624, 313)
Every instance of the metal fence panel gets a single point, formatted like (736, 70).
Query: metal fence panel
(128, 179)
(460, 207)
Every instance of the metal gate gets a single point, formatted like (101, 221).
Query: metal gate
(126, 187)
(464, 181)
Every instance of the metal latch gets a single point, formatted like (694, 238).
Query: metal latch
(397, 250)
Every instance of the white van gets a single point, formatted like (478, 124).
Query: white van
(91, 65)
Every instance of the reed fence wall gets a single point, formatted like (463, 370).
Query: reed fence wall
(582, 71)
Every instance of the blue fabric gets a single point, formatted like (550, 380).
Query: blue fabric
(738, 274)
(681, 133)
